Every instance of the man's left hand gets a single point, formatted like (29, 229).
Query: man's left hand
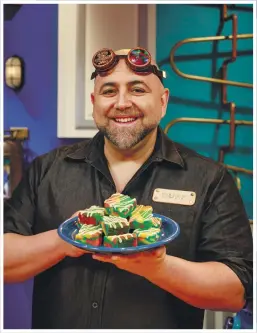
(146, 264)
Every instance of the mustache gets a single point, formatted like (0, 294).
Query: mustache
(127, 112)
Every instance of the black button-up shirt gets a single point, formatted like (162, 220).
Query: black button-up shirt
(80, 293)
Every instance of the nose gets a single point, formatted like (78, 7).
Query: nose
(123, 101)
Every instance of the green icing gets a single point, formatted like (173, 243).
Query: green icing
(147, 236)
(157, 222)
(141, 225)
(120, 205)
(89, 233)
(141, 217)
(113, 225)
(125, 240)
(95, 212)
(89, 227)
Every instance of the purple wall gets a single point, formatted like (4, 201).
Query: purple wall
(31, 34)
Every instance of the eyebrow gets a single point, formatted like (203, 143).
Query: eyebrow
(107, 84)
(131, 83)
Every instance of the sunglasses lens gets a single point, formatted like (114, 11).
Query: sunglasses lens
(103, 59)
(139, 57)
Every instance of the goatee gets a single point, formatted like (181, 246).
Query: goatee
(125, 139)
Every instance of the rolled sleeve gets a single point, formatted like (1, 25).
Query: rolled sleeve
(226, 234)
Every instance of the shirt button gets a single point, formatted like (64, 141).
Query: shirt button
(95, 305)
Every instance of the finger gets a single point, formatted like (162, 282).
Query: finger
(157, 253)
(122, 259)
(125, 259)
(113, 259)
(160, 252)
(102, 257)
(131, 256)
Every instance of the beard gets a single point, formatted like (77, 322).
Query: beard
(124, 138)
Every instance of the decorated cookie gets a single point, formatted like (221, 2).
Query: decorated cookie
(149, 236)
(89, 234)
(125, 240)
(156, 222)
(141, 217)
(92, 215)
(114, 225)
(119, 205)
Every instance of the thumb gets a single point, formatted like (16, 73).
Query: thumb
(160, 251)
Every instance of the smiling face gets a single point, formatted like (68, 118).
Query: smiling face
(127, 106)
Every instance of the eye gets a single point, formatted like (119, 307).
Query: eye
(138, 90)
(109, 92)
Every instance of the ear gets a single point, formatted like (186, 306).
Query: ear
(164, 101)
(92, 98)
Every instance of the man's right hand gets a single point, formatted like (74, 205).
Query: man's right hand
(70, 250)
(27, 256)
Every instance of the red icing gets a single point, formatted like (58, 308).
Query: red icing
(86, 220)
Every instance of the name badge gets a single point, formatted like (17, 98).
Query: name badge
(186, 198)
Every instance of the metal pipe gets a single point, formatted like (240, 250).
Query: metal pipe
(205, 121)
(238, 169)
(231, 105)
(203, 78)
(213, 121)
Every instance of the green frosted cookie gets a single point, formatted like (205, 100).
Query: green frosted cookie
(157, 222)
(114, 225)
(141, 217)
(125, 240)
(92, 215)
(89, 234)
(149, 236)
(89, 227)
(119, 205)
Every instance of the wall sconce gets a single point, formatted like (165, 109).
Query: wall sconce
(14, 72)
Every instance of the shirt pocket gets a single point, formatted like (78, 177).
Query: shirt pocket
(184, 245)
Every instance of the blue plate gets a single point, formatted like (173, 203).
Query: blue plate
(169, 231)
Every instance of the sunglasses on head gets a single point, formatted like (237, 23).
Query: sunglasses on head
(138, 59)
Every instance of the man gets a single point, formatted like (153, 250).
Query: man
(209, 266)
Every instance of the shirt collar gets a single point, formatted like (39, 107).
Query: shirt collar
(165, 149)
